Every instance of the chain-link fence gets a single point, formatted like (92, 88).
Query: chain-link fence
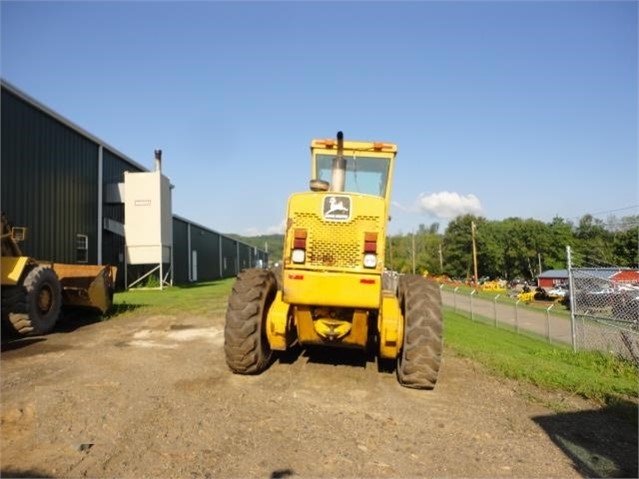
(551, 321)
(604, 305)
(504, 310)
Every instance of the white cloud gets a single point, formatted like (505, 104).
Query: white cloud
(400, 206)
(277, 229)
(252, 232)
(446, 205)
(271, 230)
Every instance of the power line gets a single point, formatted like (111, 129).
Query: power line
(600, 213)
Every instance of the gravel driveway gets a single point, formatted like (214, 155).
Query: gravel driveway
(151, 396)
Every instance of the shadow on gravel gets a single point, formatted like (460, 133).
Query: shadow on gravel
(281, 473)
(121, 308)
(16, 342)
(290, 355)
(599, 442)
(336, 356)
(22, 473)
(72, 319)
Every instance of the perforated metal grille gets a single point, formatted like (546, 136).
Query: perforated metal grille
(335, 244)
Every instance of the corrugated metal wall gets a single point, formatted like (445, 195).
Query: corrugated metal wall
(209, 254)
(207, 245)
(229, 257)
(49, 185)
(244, 255)
(180, 251)
(113, 168)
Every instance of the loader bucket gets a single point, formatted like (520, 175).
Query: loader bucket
(87, 286)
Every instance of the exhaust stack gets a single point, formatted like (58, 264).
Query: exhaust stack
(338, 175)
(158, 160)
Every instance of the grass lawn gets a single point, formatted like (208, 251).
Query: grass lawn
(602, 377)
(201, 299)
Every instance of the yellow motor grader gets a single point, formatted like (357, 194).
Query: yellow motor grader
(34, 291)
(333, 289)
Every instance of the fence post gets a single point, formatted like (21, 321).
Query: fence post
(472, 311)
(571, 291)
(548, 321)
(517, 315)
(455, 299)
(495, 308)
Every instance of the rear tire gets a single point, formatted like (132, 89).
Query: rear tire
(420, 358)
(34, 307)
(245, 343)
(278, 273)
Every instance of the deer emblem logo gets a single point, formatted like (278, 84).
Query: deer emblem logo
(337, 208)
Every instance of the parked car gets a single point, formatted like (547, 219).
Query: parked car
(558, 291)
(626, 307)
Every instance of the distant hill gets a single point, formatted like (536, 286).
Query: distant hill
(271, 243)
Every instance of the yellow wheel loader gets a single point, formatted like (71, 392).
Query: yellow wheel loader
(34, 292)
(333, 289)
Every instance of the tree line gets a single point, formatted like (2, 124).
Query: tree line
(515, 247)
(507, 249)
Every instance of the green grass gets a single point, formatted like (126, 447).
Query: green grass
(201, 299)
(602, 377)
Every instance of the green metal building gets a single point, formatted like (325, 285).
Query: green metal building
(55, 180)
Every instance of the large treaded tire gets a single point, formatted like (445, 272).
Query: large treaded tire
(37, 309)
(245, 343)
(279, 275)
(420, 358)
(14, 310)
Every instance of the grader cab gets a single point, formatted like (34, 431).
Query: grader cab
(334, 289)
(34, 291)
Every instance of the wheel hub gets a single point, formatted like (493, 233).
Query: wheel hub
(45, 300)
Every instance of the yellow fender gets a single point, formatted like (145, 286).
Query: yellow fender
(390, 327)
(278, 327)
(12, 268)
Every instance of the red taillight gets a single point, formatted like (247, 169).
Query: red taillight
(299, 238)
(370, 242)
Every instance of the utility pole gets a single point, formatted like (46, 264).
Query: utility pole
(539, 258)
(441, 260)
(413, 243)
(472, 228)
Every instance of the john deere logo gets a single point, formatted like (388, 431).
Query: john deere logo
(337, 208)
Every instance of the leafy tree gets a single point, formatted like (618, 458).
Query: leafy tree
(626, 247)
(594, 241)
(560, 236)
(507, 248)
(457, 246)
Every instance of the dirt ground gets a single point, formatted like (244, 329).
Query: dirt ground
(141, 396)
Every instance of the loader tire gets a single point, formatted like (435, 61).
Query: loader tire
(14, 310)
(36, 310)
(419, 360)
(245, 343)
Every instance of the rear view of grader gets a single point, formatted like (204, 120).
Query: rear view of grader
(333, 289)
(34, 291)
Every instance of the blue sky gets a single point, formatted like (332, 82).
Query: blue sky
(506, 108)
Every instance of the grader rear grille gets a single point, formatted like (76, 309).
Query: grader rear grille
(335, 244)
